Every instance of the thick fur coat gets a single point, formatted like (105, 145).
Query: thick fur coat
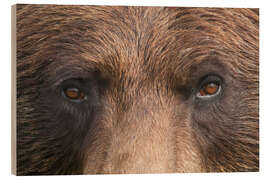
(141, 69)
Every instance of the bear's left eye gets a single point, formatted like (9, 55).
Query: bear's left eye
(209, 87)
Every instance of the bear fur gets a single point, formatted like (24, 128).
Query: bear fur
(142, 67)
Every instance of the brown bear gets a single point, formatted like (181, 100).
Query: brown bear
(109, 89)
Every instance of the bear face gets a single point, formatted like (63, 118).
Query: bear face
(136, 89)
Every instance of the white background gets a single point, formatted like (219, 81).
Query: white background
(5, 90)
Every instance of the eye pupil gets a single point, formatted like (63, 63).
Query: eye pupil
(74, 93)
(209, 89)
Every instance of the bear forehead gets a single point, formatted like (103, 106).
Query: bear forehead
(129, 39)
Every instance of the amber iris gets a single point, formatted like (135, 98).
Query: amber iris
(209, 89)
(74, 93)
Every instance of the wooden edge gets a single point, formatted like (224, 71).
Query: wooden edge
(13, 92)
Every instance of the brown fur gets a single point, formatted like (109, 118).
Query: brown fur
(145, 63)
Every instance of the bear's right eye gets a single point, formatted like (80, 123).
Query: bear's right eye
(73, 93)
(76, 90)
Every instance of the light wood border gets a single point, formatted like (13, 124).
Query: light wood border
(13, 92)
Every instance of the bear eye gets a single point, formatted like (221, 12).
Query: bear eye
(209, 89)
(74, 93)
(210, 86)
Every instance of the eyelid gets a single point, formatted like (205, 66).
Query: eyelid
(210, 78)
